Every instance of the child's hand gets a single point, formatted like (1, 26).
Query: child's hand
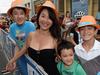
(10, 66)
(57, 59)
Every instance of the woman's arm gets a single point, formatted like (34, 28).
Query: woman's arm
(23, 50)
(19, 53)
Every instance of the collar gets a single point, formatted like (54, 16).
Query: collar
(95, 46)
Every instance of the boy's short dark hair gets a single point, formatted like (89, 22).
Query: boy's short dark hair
(64, 44)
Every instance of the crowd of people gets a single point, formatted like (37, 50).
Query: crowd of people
(60, 45)
(4, 23)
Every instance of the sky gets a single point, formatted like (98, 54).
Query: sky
(5, 5)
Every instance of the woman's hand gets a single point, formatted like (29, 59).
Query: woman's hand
(11, 66)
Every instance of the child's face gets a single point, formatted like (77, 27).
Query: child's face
(19, 16)
(87, 32)
(67, 56)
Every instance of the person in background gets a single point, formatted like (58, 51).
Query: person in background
(98, 22)
(5, 26)
(88, 51)
(68, 65)
(41, 44)
(67, 26)
(19, 30)
(0, 23)
(33, 19)
(98, 17)
(67, 19)
(61, 19)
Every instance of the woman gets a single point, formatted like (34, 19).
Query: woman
(42, 43)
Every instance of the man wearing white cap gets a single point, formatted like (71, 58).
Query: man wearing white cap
(88, 51)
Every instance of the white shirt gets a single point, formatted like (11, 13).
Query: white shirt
(94, 51)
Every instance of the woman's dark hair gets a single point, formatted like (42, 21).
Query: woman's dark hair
(64, 44)
(55, 28)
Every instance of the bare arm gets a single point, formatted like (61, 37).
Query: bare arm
(19, 53)
(10, 66)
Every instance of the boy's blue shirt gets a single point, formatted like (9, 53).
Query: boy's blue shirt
(19, 33)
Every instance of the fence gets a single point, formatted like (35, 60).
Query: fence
(7, 46)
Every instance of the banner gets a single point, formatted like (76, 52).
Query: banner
(79, 7)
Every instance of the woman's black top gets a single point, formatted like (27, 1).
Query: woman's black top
(45, 58)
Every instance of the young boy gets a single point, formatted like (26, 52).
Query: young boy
(67, 65)
(88, 51)
(19, 30)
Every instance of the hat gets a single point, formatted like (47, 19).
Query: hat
(49, 4)
(88, 21)
(27, 10)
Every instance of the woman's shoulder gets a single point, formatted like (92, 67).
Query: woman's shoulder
(31, 35)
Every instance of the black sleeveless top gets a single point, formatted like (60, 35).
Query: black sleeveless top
(45, 58)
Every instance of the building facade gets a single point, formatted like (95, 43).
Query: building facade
(93, 6)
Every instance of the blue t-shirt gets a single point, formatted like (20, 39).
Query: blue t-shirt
(20, 32)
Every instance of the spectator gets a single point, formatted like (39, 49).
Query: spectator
(67, 25)
(0, 23)
(67, 21)
(98, 22)
(33, 19)
(98, 18)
